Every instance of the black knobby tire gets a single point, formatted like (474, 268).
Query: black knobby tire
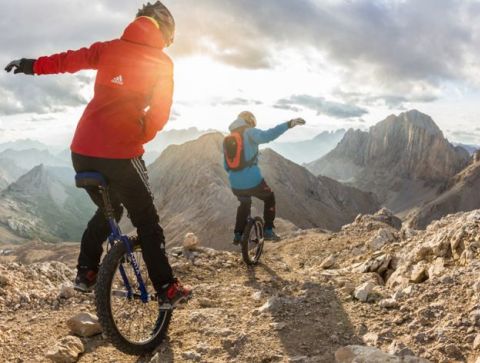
(252, 241)
(103, 300)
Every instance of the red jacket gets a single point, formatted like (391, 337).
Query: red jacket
(133, 91)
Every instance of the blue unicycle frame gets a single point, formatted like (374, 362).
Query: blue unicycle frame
(91, 180)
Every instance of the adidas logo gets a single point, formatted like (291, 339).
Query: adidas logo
(118, 80)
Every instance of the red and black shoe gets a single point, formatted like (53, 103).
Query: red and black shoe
(85, 280)
(174, 294)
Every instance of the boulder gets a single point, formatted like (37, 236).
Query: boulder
(370, 339)
(419, 273)
(361, 354)
(388, 304)
(399, 349)
(84, 325)
(4, 280)
(329, 262)
(476, 342)
(361, 292)
(383, 237)
(66, 291)
(386, 216)
(437, 268)
(190, 241)
(66, 350)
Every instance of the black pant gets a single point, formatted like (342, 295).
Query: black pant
(262, 192)
(128, 186)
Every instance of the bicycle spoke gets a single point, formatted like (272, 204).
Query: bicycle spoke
(136, 320)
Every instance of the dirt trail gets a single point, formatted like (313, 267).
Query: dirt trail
(306, 299)
(302, 317)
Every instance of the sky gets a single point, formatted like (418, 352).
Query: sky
(336, 63)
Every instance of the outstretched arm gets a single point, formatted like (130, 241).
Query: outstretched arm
(160, 105)
(71, 61)
(266, 136)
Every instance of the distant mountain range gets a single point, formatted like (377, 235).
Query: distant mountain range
(403, 160)
(307, 151)
(44, 204)
(470, 148)
(23, 144)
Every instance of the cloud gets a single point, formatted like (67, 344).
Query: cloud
(391, 46)
(321, 106)
(26, 94)
(390, 100)
(239, 101)
(466, 136)
(397, 40)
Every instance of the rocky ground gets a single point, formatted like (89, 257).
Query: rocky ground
(372, 286)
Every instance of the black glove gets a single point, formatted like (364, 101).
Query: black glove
(21, 66)
(296, 122)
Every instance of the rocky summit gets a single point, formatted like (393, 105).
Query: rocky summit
(403, 160)
(375, 291)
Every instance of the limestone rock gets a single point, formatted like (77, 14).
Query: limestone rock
(476, 342)
(388, 304)
(382, 238)
(361, 354)
(328, 262)
(419, 273)
(190, 241)
(399, 349)
(84, 325)
(66, 291)
(66, 350)
(4, 280)
(370, 339)
(191, 356)
(437, 268)
(361, 292)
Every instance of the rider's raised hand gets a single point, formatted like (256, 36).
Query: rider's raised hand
(23, 65)
(296, 122)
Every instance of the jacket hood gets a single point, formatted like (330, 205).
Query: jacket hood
(239, 122)
(143, 31)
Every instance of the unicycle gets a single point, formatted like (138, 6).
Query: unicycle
(126, 302)
(252, 241)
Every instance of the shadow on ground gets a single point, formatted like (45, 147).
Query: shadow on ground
(309, 317)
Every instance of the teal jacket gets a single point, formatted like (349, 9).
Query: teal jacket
(252, 176)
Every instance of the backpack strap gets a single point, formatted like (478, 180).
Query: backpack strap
(254, 160)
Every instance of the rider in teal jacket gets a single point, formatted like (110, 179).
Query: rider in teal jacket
(253, 137)
(249, 182)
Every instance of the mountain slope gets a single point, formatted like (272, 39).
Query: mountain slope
(192, 193)
(40, 205)
(402, 159)
(460, 195)
(309, 150)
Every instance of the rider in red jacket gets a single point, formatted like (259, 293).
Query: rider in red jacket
(132, 101)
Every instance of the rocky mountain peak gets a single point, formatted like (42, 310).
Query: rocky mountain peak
(400, 154)
(34, 182)
(410, 119)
